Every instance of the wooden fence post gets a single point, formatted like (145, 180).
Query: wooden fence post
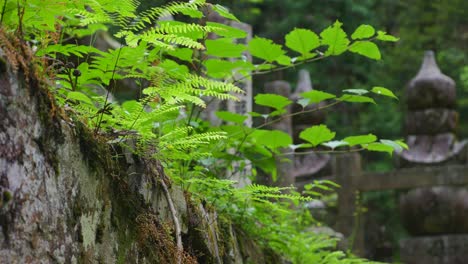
(347, 168)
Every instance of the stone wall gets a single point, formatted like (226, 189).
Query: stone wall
(65, 197)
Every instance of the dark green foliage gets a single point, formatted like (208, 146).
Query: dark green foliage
(168, 62)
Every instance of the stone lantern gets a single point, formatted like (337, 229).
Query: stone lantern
(429, 214)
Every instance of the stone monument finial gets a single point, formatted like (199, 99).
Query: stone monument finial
(431, 120)
(430, 88)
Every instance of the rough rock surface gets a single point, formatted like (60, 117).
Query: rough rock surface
(65, 198)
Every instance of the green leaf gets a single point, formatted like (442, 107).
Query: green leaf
(363, 31)
(184, 54)
(284, 60)
(79, 97)
(317, 134)
(356, 91)
(254, 114)
(380, 147)
(303, 102)
(223, 48)
(224, 12)
(335, 38)
(359, 140)
(272, 139)
(402, 144)
(302, 41)
(366, 48)
(265, 67)
(316, 96)
(383, 36)
(356, 99)
(231, 117)
(173, 68)
(272, 100)
(335, 143)
(191, 13)
(265, 49)
(383, 91)
(395, 146)
(217, 68)
(227, 31)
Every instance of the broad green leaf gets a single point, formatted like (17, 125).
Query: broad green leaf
(358, 140)
(356, 91)
(302, 41)
(317, 134)
(272, 100)
(316, 96)
(335, 143)
(294, 147)
(254, 114)
(184, 54)
(303, 102)
(335, 38)
(191, 12)
(380, 147)
(231, 117)
(272, 139)
(363, 32)
(265, 49)
(394, 145)
(366, 48)
(227, 31)
(383, 91)
(224, 12)
(284, 60)
(173, 68)
(277, 112)
(223, 48)
(79, 97)
(402, 144)
(217, 68)
(356, 99)
(383, 36)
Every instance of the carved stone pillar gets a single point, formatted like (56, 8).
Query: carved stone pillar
(429, 214)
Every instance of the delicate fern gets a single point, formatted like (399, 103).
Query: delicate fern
(151, 15)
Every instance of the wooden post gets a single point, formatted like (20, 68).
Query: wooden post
(347, 168)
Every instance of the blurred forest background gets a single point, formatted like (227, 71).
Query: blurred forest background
(441, 26)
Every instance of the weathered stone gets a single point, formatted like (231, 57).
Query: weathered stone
(65, 198)
(426, 149)
(435, 210)
(308, 166)
(430, 88)
(431, 121)
(445, 249)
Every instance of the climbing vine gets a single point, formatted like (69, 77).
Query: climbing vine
(175, 70)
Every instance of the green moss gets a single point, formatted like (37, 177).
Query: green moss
(96, 153)
(49, 117)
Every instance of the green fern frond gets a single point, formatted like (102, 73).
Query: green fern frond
(151, 15)
(169, 28)
(106, 11)
(152, 36)
(191, 88)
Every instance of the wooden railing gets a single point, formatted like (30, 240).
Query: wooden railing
(349, 175)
